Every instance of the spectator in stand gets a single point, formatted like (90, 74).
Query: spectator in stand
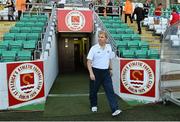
(11, 9)
(175, 17)
(101, 8)
(146, 7)
(157, 14)
(109, 9)
(20, 7)
(128, 9)
(91, 5)
(139, 12)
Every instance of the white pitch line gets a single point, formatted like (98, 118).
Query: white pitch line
(71, 95)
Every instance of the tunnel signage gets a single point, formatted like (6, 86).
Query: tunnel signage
(75, 20)
(137, 77)
(25, 82)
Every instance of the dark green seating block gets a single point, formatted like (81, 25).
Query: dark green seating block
(129, 31)
(121, 30)
(143, 45)
(4, 45)
(15, 45)
(33, 36)
(39, 24)
(133, 45)
(153, 54)
(30, 24)
(20, 24)
(108, 25)
(8, 56)
(21, 36)
(126, 37)
(14, 30)
(25, 30)
(128, 54)
(116, 25)
(29, 45)
(117, 37)
(37, 29)
(24, 55)
(112, 30)
(8, 36)
(141, 54)
(136, 37)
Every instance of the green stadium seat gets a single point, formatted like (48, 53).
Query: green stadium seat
(121, 30)
(14, 30)
(21, 36)
(4, 45)
(116, 25)
(33, 36)
(129, 31)
(108, 25)
(24, 55)
(153, 54)
(128, 54)
(136, 37)
(29, 24)
(39, 24)
(141, 54)
(117, 37)
(25, 30)
(116, 18)
(20, 24)
(112, 30)
(126, 37)
(15, 45)
(133, 45)
(29, 45)
(143, 45)
(9, 36)
(8, 56)
(121, 45)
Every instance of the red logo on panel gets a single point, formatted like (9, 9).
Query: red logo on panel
(25, 82)
(75, 19)
(138, 77)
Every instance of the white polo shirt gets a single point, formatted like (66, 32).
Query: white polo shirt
(100, 57)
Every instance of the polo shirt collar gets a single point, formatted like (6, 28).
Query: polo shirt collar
(101, 47)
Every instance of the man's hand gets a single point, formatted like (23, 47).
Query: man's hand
(92, 77)
(110, 71)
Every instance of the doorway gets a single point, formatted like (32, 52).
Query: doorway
(72, 52)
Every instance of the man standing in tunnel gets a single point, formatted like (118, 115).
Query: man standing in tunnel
(100, 71)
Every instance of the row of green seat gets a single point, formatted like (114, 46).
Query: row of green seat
(123, 37)
(144, 54)
(120, 30)
(30, 24)
(10, 56)
(26, 30)
(132, 45)
(109, 17)
(18, 45)
(21, 36)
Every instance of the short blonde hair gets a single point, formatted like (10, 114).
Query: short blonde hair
(103, 33)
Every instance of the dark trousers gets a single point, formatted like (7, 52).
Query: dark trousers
(128, 15)
(10, 17)
(102, 77)
(19, 15)
(139, 26)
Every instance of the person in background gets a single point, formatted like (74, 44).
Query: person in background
(20, 7)
(139, 12)
(146, 7)
(101, 8)
(109, 9)
(91, 5)
(100, 69)
(128, 9)
(11, 9)
(157, 14)
(175, 16)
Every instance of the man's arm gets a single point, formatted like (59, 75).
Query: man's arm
(89, 66)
